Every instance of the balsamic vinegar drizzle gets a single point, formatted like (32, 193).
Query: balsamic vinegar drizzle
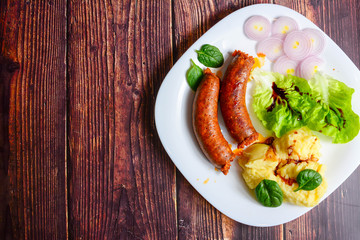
(279, 94)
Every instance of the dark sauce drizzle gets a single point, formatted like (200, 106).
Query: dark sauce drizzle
(279, 93)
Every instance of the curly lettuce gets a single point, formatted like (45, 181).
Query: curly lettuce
(323, 104)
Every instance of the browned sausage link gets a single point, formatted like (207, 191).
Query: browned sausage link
(232, 99)
(206, 125)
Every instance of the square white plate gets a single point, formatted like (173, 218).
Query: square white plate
(173, 110)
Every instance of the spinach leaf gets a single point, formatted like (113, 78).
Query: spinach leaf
(269, 193)
(210, 56)
(308, 180)
(194, 75)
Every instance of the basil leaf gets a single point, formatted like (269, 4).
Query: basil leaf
(308, 180)
(194, 75)
(210, 56)
(269, 193)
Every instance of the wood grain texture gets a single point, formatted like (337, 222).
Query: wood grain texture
(79, 154)
(122, 184)
(7, 70)
(33, 39)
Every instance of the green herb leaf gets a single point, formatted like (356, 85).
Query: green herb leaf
(210, 56)
(194, 75)
(269, 193)
(308, 180)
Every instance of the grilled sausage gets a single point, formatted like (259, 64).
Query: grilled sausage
(232, 99)
(206, 125)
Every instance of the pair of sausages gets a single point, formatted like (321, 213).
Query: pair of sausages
(233, 108)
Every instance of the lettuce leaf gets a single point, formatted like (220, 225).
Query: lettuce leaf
(342, 122)
(285, 103)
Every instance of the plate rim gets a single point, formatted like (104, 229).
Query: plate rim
(162, 137)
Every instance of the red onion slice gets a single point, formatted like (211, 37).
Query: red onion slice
(257, 27)
(284, 25)
(309, 66)
(317, 40)
(272, 47)
(279, 36)
(285, 65)
(297, 45)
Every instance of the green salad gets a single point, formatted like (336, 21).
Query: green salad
(323, 104)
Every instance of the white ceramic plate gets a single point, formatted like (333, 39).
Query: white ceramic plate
(229, 194)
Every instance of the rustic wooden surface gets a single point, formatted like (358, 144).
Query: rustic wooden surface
(80, 157)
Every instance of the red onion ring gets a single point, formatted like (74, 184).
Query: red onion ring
(272, 47)
(285, 65)
(317, 40)
(297, 45)
(284, 25)
(257, 27)
(279, 36)
(309, 66)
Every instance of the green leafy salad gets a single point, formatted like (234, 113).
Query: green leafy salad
(323, 104)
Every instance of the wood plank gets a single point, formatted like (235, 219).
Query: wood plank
(7, 70)
(197, 219)
(122, 184)
(33, 40)
(338, 217)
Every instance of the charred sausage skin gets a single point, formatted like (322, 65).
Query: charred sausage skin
(232, 99)
(206, 125)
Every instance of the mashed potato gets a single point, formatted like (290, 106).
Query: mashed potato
(282, 161)
(299, 144)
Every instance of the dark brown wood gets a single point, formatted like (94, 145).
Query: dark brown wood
(79, 154)
(122, 184)
(7, 69)
(33, 40)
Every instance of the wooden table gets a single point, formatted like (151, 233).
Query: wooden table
(80, 157)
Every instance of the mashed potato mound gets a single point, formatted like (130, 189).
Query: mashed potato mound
(282, 161)
(298, 144)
